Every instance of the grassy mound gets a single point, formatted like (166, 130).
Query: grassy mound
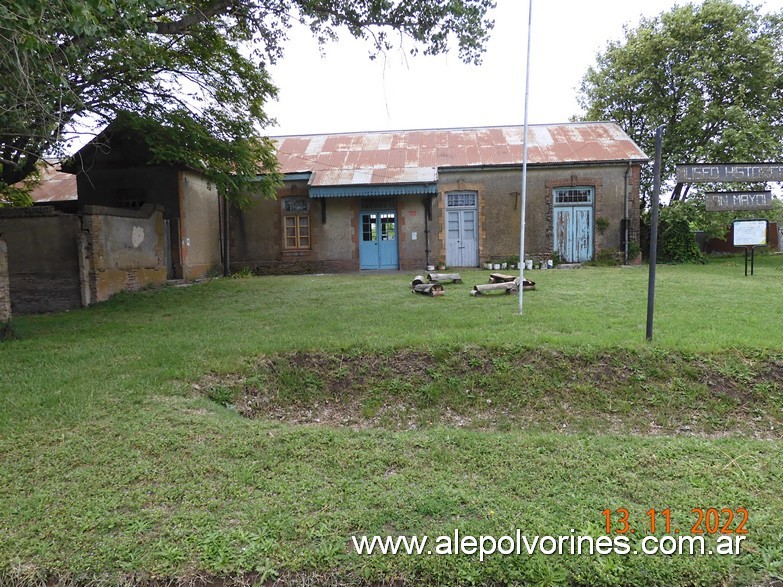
(643, 392)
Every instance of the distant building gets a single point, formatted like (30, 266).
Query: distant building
(114, 170)
(132, 226)
(406, 199)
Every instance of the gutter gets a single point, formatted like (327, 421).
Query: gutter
(561, 164)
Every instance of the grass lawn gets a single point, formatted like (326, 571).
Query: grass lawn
(243, 430)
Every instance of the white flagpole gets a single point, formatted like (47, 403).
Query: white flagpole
(524, 163)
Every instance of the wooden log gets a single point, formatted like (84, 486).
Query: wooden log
(506, 287)
(428, 289)
(485, 288)
(418, 280)
(501, 278)
(444, 277)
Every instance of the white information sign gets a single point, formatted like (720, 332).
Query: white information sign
(750, 233)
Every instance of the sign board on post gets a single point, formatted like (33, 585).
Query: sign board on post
(750, 234)
(724, 201)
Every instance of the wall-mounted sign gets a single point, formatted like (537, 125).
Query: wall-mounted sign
(730, 172)
(750, 233)
(723, 201)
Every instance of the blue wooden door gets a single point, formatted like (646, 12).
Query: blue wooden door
(378, 241)
(574, 233)
(573, 223)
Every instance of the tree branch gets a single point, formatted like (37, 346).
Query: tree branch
(188, 21)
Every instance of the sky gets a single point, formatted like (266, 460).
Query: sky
(343, 90)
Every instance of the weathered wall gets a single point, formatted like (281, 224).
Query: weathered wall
(499, 201)
(61, 261)
(124, 250)
(5, 289)
(256, 235)
(200, 232)
(411, 213)
(337, 239)
(189, 203)
(43, 260)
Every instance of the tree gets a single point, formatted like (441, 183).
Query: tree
(195, 70)
(713, 74)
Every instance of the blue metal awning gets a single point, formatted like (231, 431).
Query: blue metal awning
(364, 191)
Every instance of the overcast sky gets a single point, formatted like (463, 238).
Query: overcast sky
(345, 91)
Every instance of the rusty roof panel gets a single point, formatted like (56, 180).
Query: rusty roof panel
(409, 156)
(397, 157)
(333, 159)
(55, 186)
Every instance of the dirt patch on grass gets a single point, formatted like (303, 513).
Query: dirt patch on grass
(617, 392)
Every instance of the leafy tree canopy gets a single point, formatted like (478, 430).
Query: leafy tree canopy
(193, 71)
(712, 73)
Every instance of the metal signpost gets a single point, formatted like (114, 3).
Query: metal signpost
(654, 229)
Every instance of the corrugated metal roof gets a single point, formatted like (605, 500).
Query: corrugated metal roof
(414, 156)
(55, 186)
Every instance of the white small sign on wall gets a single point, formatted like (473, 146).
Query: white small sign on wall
(137, 236)
(750, 233)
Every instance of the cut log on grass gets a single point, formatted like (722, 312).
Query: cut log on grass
(507, 287)
(501, 278)
(418, 280)
(444, 278)
(428, 289)
(486, 288)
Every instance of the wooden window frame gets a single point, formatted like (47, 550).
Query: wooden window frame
(297, 234)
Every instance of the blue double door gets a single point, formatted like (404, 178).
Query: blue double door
(574, 233)
(573, 229)
(378, 240)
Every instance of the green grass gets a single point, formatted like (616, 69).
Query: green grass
(116, 466)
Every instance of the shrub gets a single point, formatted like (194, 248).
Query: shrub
(608, 258)
(677, 244)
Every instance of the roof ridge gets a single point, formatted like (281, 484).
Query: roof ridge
(442, 129)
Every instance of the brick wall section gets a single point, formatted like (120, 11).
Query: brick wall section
(5, 288)
(61, 262)
(302, 267)
(124, 248)
(43, 263)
